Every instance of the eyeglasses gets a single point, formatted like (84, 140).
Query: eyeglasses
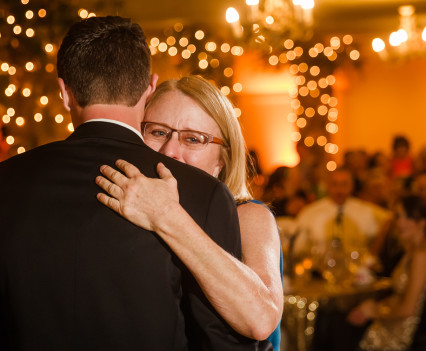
(159, 134)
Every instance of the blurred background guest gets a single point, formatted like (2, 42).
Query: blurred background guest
(338, 214)
(402, 164)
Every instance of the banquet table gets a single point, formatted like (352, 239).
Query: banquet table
(303, 298)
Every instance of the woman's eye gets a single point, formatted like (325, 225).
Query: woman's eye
(193, 139)
(159, 133)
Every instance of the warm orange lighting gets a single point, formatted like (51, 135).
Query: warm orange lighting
(178, 27)
(225, 90)
(44, 100)
(59, 118)
(211, 46)
(301, 123)
(162, 47)
(322, 110)
(172, 51)
(29, 32)
(303, 67)
(186, 54)
(83, 13)
(310, 112)
(38, 117)
(20, 121)
(331, 166)
(154, 42)
(288, 44)
(273, 60)
(171, 41)
(225, 47)
(299, 270)
(199, 34)
(309, 141)
(49, 68)
(48, 48)
(183, 42)
(17, 30)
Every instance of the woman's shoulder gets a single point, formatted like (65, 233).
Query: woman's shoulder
(254, 210)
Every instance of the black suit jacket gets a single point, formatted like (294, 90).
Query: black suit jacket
(74, 275)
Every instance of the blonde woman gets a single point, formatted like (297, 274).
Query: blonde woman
(191, 121)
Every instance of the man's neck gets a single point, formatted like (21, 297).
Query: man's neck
(131, 116)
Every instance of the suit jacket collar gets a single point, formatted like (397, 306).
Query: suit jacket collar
(105, 130)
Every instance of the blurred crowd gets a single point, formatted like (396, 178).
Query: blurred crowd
(379, 178)
(363, 221)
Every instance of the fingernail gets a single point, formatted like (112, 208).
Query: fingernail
(102, 167)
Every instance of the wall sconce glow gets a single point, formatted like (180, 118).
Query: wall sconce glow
(252, 2)
(424, 34)
(307, 4)
(232, 15)
(378, 45)
(397, 38)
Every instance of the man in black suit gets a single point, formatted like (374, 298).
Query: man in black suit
(74, 275)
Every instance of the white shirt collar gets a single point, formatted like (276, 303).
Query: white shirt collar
(117, 122)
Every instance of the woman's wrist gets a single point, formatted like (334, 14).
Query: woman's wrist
(165, 222)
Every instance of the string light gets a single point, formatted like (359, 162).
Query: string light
(20, 121)
(59, 118)
(44, 100)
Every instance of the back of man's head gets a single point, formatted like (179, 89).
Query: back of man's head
(105, 60)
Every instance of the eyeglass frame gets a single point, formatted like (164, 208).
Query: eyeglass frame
(211, 139)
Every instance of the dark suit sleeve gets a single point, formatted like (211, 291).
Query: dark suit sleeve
(206, 328)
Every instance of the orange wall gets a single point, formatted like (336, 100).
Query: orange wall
(265, 104)
(380, 100)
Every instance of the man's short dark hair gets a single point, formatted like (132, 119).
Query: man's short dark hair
(105, 60)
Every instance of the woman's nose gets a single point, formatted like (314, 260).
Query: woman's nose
(172, 147)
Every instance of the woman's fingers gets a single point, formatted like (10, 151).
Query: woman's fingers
(113, 175)
(109, 187)
(163, 171)
(128, 169)
(109, 201)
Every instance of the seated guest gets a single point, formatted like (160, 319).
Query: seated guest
(339, 214)
(395, 319)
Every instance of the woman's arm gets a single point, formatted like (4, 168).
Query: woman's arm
(402, 307)
(248, 296)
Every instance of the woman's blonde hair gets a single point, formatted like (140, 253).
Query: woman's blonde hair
(211, 100)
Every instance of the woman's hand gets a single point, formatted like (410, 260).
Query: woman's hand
(141, 200)
(362, 313)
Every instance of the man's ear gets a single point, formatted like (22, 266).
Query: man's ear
(152, 86)
(64, 93)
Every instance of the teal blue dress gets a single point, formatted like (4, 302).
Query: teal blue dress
(275, 337)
